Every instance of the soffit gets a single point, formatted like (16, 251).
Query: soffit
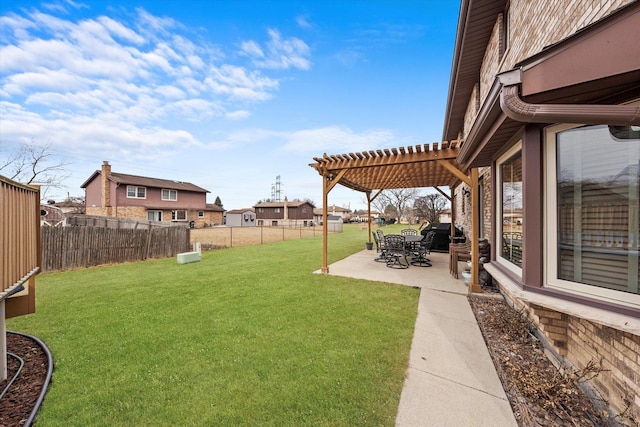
(417, 166)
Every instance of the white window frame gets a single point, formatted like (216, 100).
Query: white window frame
(551, 229)
(136, 189)
(156, 212)
(517, 147)
(174, 215)
(200, 214)
(170, 193)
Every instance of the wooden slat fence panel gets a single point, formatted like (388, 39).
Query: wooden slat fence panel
(64, 248)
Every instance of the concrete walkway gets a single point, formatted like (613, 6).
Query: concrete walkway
(451, 379)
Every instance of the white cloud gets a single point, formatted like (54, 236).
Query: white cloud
(303, 22)
(251, 48)
(170, 92)
(280, 53)
(238, 83)
(116, 86)
(238, 115)
(338, 140)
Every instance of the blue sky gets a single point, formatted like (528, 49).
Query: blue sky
(224, 94)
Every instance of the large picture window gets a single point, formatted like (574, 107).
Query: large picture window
(592, 214)
(179, 215)
(510, 216)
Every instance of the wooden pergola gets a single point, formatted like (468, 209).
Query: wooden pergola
(418, 166)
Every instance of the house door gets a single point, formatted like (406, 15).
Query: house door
(154, 215)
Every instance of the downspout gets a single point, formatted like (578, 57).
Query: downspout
(517, 109)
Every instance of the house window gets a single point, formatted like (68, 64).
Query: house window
(504, 33)
(593, 182)
(509, 204)
(276, 210)
(200, 214)
(179, 215)
(154, 215)
(169, 194)
(261, 210)
(134, 192)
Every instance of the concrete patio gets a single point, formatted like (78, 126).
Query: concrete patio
(451, 379)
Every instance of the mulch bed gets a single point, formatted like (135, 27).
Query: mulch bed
(539, 393)
(18, 402)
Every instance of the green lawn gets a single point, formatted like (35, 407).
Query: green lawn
(248, 336)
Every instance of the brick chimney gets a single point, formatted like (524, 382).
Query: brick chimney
(106, 188)
(286, 209)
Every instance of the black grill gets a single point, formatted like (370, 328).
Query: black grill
(441, 238)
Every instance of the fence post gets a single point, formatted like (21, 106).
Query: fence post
(230, 237)
(149, 231)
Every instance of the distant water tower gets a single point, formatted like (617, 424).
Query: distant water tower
(276, 190)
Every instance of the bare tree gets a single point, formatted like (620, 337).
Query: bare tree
(430, 207)
(33, 164)
(396, 202)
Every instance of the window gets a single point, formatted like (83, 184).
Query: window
(276, 210)
(504, 33)
(134, 192)
(154, 215)
(169, 194)
(200, 214)
(509, 204)
(180, 215)
(592, 211)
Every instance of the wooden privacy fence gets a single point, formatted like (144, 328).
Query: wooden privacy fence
(73, 247)
(226, 237)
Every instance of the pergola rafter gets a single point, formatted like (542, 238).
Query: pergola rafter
(428, 165)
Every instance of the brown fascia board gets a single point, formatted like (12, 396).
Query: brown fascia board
(91, 178)
(122, 178)
(475, 24)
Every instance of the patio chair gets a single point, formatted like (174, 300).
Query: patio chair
(420, 259)
(409, 232)
(396, 251)
(378, 236)
(412, 246)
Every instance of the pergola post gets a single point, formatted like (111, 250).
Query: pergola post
(369, 214)
(325, 224)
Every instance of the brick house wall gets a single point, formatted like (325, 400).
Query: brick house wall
(534, 25)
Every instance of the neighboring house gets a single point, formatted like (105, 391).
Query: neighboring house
(284, 213)
(70, 207)
(52, 216)
(523, 96)
(129, 196)
(445, 216)
(343, 213)
(240, 218)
